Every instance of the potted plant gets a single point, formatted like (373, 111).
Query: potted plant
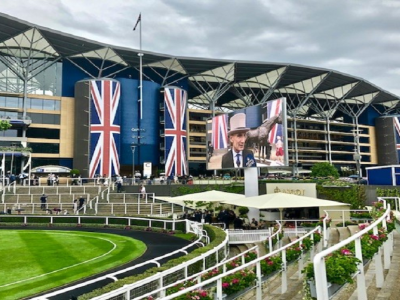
(238, 282)
(270, 265)
(340, 268)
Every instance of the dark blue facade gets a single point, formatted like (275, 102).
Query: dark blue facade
(387, 175)
(145, 132)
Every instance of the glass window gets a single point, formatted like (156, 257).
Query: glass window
(9, 133)
(12, 102)
(44, 118)
(47, 82)
(36, 104)
(51, 105)
(44, 147)
(43, 133)
(36, 118)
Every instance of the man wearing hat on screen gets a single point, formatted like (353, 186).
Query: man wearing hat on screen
(238, 157)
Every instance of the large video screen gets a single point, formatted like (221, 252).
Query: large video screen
(254, 136)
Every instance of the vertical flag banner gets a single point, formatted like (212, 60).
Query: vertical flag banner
(175, 131)
(274, 108)
(220, 132)
(104, 128)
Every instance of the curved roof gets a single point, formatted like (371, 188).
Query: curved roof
(213, 83)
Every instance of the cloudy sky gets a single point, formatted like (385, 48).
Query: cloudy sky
(358, 37)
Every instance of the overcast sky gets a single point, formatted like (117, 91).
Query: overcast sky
(358, 37)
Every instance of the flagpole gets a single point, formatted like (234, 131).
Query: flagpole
(141, 67)
(140, 54)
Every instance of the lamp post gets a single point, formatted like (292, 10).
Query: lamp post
(133, 147)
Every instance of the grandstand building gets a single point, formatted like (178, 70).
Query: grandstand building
(76, 103)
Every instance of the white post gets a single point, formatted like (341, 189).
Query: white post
(251, 190)
(361, 288)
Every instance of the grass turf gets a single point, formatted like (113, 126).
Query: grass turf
(35, 261)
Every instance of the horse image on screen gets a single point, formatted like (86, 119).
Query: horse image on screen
(251, 137)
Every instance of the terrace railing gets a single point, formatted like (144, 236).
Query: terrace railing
(216, 281)
(321, 282)
(248, 236)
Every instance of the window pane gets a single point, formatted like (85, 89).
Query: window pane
(43, 133)
(12, 102)
(44, 147)
(36, 103)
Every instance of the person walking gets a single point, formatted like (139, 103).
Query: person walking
(43, 201)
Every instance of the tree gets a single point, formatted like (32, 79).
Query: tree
(324, 169)
(4, 125)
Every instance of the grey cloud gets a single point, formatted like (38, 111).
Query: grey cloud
(356, 37)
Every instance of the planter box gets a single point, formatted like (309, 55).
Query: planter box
(332, 289)
(216, 297)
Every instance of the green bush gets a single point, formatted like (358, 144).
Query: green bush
(243, 210)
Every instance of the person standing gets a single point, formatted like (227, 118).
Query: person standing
(43, 201)
(238, 223)
(238, 156)
(119, 184)
(81, 201)
(142, 191)
(279, 149)
(210, 150)
(75, 207)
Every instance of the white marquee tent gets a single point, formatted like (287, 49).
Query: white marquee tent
(282, 201)
(208, 196)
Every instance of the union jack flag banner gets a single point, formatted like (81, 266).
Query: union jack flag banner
(175, 132)
(220, 132)
(104, 127)
(397, 126)
(275, 108)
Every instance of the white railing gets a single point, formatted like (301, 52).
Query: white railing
(128, 197)
(155, 261)
(51, 198)
(55, 189)
(321, 282)
(217, 280)
(136, 208)
(248, 236)
(396, 207)
(127, 292)
(197, 277)
(35, 208)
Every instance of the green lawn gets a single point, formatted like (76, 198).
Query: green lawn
(34, 261)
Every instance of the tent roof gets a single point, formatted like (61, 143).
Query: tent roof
(208, 196)
(282, 200)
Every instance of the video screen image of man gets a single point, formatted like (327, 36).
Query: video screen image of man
(238, 156)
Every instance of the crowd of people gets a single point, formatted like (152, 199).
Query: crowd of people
(225, 216)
